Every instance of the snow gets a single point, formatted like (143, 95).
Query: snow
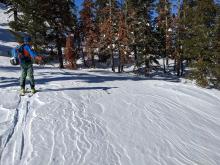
(7, 40)
(95, 117)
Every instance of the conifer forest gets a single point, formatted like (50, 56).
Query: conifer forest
(178, 37)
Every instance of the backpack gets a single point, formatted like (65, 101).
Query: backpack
(21, 55)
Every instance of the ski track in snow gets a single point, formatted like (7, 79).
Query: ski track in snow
(74, 133)
(16, 138)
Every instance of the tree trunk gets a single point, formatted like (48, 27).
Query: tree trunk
(60, 55)
(178, 67)
(113, 61)
(80, 48)
(167, 60)
(15, 15)
(181, 66)
(164, 66)
(93, 60)
(175, 63)
(83, 56)
(119, 61)
(147, 66)
(135, 55)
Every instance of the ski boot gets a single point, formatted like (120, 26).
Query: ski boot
(33, 91)
(22, 92)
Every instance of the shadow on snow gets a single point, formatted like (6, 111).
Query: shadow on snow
(64, 75)
(77, 89)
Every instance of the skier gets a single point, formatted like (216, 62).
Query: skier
(24, 55)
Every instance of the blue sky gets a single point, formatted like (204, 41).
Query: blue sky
(79, 4)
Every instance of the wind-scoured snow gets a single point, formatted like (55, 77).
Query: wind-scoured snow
(95, 117)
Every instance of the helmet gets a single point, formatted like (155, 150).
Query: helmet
(27, 39)
(14, 61)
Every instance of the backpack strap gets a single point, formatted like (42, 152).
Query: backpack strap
(20, 51)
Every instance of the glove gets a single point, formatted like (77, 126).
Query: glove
(38, 59)
(14, 61)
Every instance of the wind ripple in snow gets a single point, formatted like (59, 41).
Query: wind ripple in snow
(67, 134)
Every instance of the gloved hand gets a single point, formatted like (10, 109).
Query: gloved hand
(38, 59)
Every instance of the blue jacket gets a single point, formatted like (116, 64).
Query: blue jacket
(24, 56)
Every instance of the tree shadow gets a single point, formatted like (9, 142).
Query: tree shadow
(168, 76)
(157, 75)
(90, 77)
(6, 36)
(5, 50)
(10, 68)
(17, 68)
(78, 89)
(8, 82)
(65, 76)
(3, 24)
(3, 6)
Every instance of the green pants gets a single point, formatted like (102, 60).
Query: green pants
(27, 70)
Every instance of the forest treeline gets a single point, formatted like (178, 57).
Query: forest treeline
(148, 34)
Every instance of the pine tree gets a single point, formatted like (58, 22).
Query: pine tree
(100, 5)
(47, 22)
(178, 29)
(61, 21)
(215, 70)
(123, 39)
(108, 28)
(14, 9)
(89, 30)
(164, 21)
(141, 33)
(200, 21)
(3, 1)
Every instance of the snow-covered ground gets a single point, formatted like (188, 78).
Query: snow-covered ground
(95, 117)
(7, 40)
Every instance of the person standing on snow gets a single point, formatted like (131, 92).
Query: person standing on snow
(24, 55)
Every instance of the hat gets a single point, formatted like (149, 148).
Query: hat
(27, 39)
(20, 40)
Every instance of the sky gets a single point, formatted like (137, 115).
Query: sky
(174, 2)
(79, 4)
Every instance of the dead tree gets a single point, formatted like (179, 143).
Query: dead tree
(70, 55)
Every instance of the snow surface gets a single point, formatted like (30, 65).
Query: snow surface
(7, 40)
(95, 117)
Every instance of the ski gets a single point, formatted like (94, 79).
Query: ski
(28, 93)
